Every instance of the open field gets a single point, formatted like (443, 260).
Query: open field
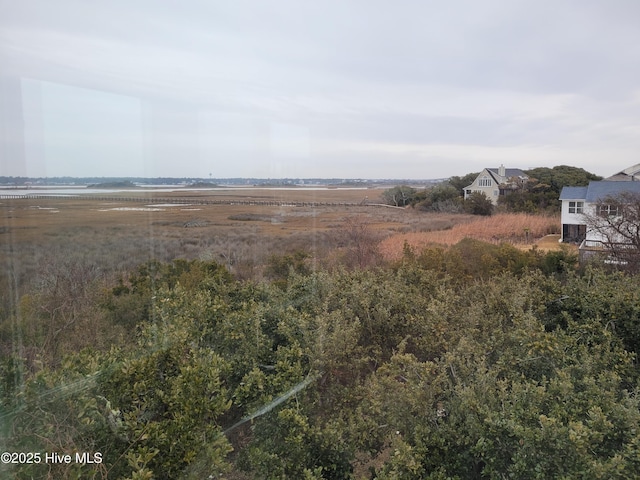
(116, 235)
(35, 220)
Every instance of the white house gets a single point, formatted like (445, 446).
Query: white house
(628, 174)
(494, 182)
(577, 202)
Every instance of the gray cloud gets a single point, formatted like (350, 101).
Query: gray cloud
(242, 86)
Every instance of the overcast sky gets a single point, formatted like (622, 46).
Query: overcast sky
(302, 88)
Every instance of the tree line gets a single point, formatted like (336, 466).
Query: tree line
(539, 195)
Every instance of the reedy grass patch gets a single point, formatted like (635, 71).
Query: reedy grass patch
(514, 228)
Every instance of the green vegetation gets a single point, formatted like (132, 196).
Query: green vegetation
(539, 195)
(542, 192)
(477, 361)
(444, 197)
(116, 184)
(440, 198)
(478, 204)
(459, 183)
(399, 196)
(202, 185)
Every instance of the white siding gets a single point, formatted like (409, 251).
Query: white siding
(489, 188)
(567, 218)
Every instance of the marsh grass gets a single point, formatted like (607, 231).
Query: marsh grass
(89, 249)
(514, 228)
(241, 237)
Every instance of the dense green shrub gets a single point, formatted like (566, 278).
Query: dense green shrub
(480, 361)
(478, 204)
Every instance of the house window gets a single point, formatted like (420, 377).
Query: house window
(576, 207)
(484, 182)
(608, 210)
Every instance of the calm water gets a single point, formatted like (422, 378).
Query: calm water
(73, 191)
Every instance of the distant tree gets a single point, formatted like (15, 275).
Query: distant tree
(460, 182)
(478, 204)
(542, 191)
(561, 176)
(399, 196)
(441, 198)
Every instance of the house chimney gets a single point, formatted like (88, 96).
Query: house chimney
(501, 171)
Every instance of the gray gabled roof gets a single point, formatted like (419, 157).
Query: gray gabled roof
(573, 193)
(598, 190)
(510, 172)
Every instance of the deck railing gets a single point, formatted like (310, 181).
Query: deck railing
(610, 252)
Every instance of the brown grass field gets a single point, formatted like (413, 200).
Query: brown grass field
(39, 221)
(516, 228)
(116, 235)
